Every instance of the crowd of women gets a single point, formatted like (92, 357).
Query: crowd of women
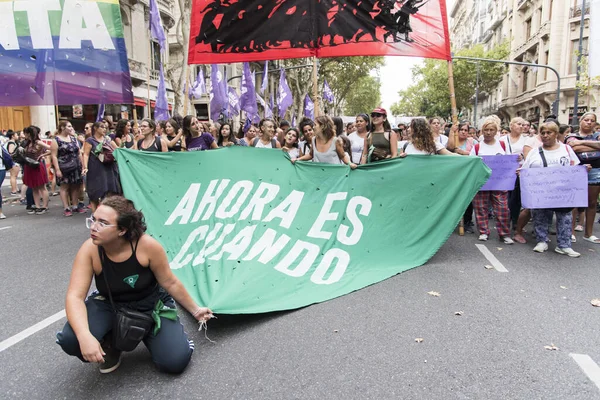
(72, 159)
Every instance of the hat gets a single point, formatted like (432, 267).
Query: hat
(379, 110)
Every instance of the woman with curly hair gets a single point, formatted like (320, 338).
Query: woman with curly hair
(174, 133)
(326, 147)
(131, 269)
(422, 141)
(123, 136)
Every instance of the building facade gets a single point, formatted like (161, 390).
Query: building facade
(540, 32)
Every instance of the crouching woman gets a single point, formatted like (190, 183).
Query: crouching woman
(131, 272)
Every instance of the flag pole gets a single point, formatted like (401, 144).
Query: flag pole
(315, 79)
(461, 225)
(148, 77)
(185, 90)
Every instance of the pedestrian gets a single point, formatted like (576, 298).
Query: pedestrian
(339, 126)
(499, 198)
(350, 127)
(123, 136)
(174, 134)
(99, 166)
(514, 142)
(326, 147)
(290, 144)
(130, 270)
(266, 139)
(197, 138)
(422, 141)
(358, 139)
(552, 154)
(11, 146)
(436, 128)
(36, 176)
(226, 136)
(4, 165)
(587, 147)
(248, 136)
(151, 141)
(383, 139)
(68, 164)
(306, 127)
(461, 140)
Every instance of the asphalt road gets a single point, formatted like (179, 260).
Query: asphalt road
(359, 346)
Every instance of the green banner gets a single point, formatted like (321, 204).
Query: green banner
(249, 232)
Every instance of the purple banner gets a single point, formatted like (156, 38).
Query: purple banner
(556, 187)
(504, 172)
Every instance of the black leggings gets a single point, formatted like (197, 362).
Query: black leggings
(514, 203)
(170, 349)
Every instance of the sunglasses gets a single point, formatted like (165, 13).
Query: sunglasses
(375, 115)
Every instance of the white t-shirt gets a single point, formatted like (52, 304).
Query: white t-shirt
(488, 150)
(442, 139)
(514, 147)
(564, 156)
(411, 149)
(357, 146)
(532, 142)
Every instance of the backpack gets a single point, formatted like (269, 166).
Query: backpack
(6, 159)
(501, 145)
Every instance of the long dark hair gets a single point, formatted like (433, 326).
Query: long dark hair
(231, 137)
(120, 129)
(33, 132)
(129, 219)
(295, 130)
(339, 125)
(185, 126)
(386, 125)
(367, 120)
(174, 124)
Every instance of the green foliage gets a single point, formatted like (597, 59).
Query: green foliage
(430, 94)
(364, 96)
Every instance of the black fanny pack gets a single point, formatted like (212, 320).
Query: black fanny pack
(130, 326)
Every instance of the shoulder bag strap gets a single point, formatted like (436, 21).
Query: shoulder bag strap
(543, 156)
(104, 271)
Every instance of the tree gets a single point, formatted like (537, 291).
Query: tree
(364, 96)
(177, 68)
(430, 94)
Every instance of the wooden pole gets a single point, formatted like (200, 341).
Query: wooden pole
(185, 91)
(315, 78)
(461, 225)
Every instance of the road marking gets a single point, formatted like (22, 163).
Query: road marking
(589, 367)
(5, 344)
(491, 258)
(5, 227)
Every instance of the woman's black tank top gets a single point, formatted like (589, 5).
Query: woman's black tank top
(128, 280)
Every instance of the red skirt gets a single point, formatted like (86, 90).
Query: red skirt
(35, 176)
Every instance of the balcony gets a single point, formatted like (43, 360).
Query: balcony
(137, 70)
(166, 8)
(575, 12)
(523, 5)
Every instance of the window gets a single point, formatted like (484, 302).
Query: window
(550, 9)
(525, 79)
(528, 29)
(156, 58)
(546, 62)
(574, 51)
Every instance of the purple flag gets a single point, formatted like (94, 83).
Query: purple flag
(268, 110)
(271, 102)
(248, 97)
(218, 98)
(263, 87)
(285, 99)
(255, 118)
(199, 86)
(327, 93)
(309, 107)
(100, 114)
(161, 108)
(156, 28)
(247, 125)
(233, 106)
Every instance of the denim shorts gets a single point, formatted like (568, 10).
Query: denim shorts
(594, 177)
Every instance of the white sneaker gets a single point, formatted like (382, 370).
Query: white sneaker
(483, 237)
(540, 247)
(573, 239)
(2, 216)
(507, 240)
(579, 228)
(567, 251)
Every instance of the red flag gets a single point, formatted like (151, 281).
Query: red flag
(224, 31)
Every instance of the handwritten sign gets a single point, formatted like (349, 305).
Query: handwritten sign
(554, 187)
(504, 172)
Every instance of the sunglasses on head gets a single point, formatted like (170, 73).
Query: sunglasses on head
(375, 115)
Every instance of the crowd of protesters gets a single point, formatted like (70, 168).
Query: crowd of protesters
(84, 163)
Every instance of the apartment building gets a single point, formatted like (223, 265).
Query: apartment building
(540, 32)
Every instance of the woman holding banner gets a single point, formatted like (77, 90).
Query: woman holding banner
(514, 143)
(552, 154)
(587, 147)
(422, 140)
(266, 139)
(358, 139)
(383, 139)
(499, 198)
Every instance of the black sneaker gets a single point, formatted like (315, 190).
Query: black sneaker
(41, 211)
(32, 211)
(112, 361)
